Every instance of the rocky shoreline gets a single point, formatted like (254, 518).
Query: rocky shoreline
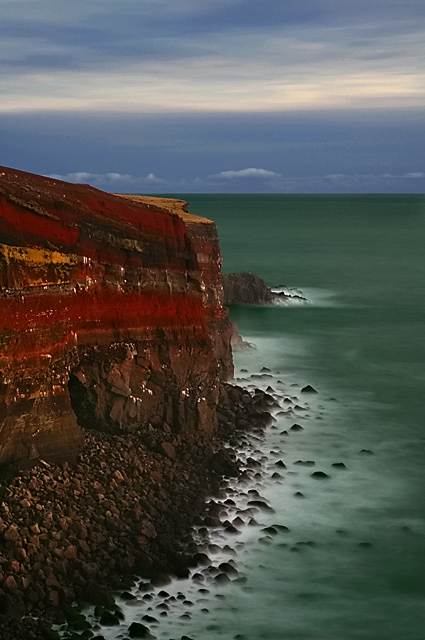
(72, 533)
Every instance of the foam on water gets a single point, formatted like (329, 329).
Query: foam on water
(312, 573)
(312, 296)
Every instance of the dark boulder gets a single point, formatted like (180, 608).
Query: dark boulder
(245, 288)
(308, 389)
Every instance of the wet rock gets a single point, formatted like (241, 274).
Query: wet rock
(230, 528)
(138, 630)
(320, 475)
(308, 389)
(188, 603)
(160, 580)
(307, 463)
(109, 619)
(229, 569)
(126, 595)
(296, 427)
(270, 530)
(260, 504)
(201, 558)
(198, 577)
(338, 465)
(211, 522)
(229, 550)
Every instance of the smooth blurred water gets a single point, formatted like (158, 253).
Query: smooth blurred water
(360, 259)
(352, 564)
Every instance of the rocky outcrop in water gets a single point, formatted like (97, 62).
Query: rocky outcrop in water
(248, 288)
(245, 288)
(111, 317)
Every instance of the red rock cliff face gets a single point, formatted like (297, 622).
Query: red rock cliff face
(111, 317)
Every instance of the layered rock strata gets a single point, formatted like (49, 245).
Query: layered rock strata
(111, 317)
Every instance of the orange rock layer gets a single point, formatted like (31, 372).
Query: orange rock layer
(111, 316)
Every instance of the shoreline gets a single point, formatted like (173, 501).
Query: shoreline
(127, 507)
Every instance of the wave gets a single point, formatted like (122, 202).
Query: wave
(311, 296)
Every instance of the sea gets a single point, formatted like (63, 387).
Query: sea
(338, 550)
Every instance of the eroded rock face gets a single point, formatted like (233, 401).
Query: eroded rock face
(245, 288)
(113, 302)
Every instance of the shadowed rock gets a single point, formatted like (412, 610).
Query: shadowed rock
(296, 427)
(308, 389)
(320, 475)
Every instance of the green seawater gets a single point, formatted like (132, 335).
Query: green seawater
(360, 260)
(351, 564)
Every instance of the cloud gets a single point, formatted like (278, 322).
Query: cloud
(112, 181)
(410, 174)
(250, 180)
(224, 55)
(246, 173)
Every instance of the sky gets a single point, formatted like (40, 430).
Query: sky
(216, 96)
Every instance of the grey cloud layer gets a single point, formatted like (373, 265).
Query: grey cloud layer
(219, 55)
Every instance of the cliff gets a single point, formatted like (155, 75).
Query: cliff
(111, 317)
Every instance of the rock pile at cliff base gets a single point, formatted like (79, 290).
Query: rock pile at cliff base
(127, 507)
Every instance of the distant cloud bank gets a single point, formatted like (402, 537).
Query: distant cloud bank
(243, 180)
(245, 173)
(115, 181)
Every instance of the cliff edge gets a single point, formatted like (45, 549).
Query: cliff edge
(111, 317)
